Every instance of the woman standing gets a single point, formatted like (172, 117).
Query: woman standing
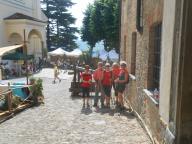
(115, 73)
(121, 83)
(86, 79)
(107, 83)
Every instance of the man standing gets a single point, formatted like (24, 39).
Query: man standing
(98, 77)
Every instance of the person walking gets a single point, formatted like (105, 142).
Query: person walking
(107, 83)
(115, 74)
(98, 77)
(56, 73)
(121, 83)
(86, 80)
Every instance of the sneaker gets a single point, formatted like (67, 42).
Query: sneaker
(83, 105)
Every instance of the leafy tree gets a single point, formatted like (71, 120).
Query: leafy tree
(103, 23)
(86, 33)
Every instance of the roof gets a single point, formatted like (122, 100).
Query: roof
(22, 16)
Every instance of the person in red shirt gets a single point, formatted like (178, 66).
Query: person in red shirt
(115, 74)
(98, 76)
(86, 79)
(107, 83)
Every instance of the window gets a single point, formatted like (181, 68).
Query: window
(133, 52)
(157, 55)
(139, 22)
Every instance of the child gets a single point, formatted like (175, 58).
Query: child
(86, 79)
(56, 73)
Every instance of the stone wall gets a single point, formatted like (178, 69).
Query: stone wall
(135, 94)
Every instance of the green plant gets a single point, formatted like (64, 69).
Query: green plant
(38, 88)
(32, 80)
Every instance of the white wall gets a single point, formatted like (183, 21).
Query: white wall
(166, 58)
(9, 7)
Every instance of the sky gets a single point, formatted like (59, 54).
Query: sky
(78, 9)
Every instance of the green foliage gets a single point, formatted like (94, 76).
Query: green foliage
(60, 32)
(86, 32)
(101, 23)
(38, 88)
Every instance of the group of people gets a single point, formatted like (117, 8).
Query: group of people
(106, 78)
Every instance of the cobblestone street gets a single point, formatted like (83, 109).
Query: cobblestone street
(61, 120)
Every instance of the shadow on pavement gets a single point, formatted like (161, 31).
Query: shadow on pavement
(86, 111)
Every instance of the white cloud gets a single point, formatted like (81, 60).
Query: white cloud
(78, 9)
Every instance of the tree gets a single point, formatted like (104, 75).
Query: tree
(103, 23)
(86, 33)
(60, 32)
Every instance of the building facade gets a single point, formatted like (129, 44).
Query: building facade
(23, 21)
(152, 43)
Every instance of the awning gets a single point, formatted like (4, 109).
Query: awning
(17, 56)
(4, 50)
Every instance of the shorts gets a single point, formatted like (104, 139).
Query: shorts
(85, 91)
(115, 89)
(120, 87)
(107, 90)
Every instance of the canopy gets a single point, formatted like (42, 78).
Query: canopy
(58, 52)
(75, 53)
(17, 56)
(4, 50)
(61, 52)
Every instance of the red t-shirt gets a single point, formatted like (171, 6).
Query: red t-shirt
(107, 76)
(86, 77)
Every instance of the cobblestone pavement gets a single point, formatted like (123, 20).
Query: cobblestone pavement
(61, 120)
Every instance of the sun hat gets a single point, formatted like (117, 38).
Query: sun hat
(107, 64)
(115, 64)
(123, 63)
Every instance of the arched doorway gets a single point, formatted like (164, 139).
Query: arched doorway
(35, 44)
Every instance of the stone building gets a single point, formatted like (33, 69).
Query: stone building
(155, 42)
(23, 20)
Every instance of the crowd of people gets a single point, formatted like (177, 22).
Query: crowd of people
(106, 77)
